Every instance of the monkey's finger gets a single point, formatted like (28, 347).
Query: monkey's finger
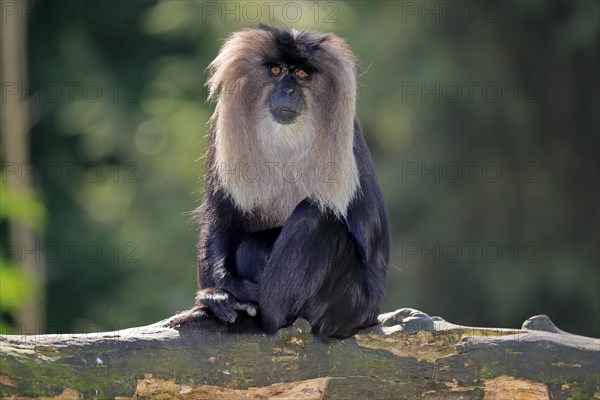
(223, 311)
(251, 310)
(248, 307)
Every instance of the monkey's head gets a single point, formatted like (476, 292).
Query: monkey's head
(284, 97)
(285, 88)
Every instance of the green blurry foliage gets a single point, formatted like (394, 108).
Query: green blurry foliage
(23, 206)
(145, 133)
(16, 284)
(16, 287)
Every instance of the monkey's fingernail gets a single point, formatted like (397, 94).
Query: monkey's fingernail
(251, 310)
(231, 318)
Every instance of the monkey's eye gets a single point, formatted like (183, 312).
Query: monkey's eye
(275, 70)
(302, 74)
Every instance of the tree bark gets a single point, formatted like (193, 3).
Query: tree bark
(213, 361)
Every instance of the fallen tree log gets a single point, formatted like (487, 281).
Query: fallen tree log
(408, 356)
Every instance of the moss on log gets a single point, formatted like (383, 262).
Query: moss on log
(211, 361)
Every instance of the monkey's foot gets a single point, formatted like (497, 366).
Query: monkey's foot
(407, 319)
(300, 328)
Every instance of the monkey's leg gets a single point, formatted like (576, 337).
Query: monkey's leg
(314, 272)
(237, 290)
(254, 251)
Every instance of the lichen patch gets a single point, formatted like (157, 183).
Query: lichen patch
(507, 387)
(149, 387)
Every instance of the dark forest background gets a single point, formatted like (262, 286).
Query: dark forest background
(482, 119)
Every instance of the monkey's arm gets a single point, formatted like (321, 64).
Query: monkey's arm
(368, 221)
(329, 270)
(224, 287)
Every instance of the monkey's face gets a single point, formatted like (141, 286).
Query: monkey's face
(286, 100)
(284, 88)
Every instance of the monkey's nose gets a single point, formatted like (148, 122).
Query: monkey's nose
(288, 90)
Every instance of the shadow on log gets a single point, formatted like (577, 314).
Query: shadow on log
(408, 356)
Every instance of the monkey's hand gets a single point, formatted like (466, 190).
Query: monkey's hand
(223, 305)
(212, 302)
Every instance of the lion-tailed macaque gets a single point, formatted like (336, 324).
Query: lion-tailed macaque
(293, 222)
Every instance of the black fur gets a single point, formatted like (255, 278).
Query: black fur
(328, 270)
(294, 51)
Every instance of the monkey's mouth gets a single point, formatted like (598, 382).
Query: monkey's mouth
(284, 115)
(285, 105)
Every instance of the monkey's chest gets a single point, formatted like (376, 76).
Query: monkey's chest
(274, 202)
(269, 191)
